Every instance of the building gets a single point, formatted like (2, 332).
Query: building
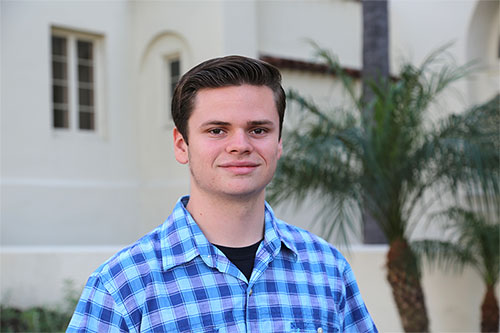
(86, 146)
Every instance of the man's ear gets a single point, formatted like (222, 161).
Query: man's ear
(180, 147)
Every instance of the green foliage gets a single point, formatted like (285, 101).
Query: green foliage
(37, 319)
(475, 241)
(385, 155)
(40, 319)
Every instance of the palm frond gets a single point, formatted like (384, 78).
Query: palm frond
(479, 236)
(468, 152)
(386, 161)
(443, 254)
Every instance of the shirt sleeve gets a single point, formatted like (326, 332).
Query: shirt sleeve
(97, 311)
(356, 316)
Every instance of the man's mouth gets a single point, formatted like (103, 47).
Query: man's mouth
(239, 167)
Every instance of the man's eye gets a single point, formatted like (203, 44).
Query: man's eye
(259, 131)
(216, 131)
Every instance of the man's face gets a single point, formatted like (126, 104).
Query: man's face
(234, 143)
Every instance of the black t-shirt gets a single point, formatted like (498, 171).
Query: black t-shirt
(241, 257)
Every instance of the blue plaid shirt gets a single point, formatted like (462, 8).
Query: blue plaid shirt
(174, 280)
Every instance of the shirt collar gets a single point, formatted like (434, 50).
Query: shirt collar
(182, 239)
(277, 233)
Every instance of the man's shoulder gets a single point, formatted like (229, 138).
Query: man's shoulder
(309, 245)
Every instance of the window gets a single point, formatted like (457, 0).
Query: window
(172, 74)
(60, 82)
(175, 73)
(85, 81)
(73, 80)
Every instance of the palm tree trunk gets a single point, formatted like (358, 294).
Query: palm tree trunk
(404, 277)
(375, 45)
(489, 311)
(375, 69)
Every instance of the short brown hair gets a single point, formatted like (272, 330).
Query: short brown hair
(222, 72)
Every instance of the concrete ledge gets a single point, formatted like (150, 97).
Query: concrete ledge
(35, 275)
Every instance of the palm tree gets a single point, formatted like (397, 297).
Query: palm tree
(475, 242)
(385, 163)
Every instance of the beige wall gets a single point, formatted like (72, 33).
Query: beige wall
(55, 185)
(286, 30)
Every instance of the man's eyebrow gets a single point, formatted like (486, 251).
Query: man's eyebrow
(260, 123)
(215, 122)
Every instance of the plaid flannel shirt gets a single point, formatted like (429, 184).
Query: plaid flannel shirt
(174, 280)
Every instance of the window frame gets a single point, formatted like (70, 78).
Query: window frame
(73, 84)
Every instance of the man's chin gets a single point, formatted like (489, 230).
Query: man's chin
(243, 194)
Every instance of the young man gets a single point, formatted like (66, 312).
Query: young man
(222, 262)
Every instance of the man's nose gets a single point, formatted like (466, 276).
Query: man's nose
(239, 142)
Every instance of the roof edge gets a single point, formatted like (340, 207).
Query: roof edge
(306, 66)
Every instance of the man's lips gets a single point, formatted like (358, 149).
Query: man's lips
(239, 164)
(239, 167)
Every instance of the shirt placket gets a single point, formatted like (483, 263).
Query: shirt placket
(263, 258)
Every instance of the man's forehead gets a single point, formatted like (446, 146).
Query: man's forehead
(233, 90)
(260, 97)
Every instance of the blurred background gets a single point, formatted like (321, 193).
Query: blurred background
(87, 163)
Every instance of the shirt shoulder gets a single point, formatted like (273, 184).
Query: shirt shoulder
(111, 300)
(309, 246)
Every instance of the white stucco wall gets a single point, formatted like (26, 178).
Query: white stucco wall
(55, 184)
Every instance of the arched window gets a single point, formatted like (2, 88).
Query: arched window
(165, 59)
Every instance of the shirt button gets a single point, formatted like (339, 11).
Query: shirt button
(250, 292)
(320, 330)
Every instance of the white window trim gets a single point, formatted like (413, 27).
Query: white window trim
(98, 52)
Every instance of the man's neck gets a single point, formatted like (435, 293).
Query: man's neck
(231, 222)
